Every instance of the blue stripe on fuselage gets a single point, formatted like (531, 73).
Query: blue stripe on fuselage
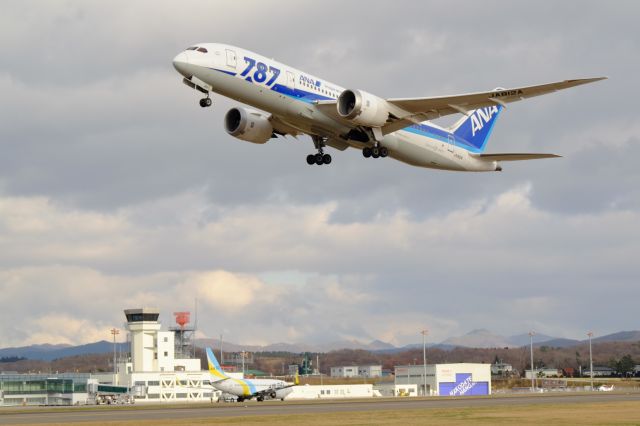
(418, 129)
(252, 387)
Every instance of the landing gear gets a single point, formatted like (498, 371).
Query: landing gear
(240, 399)
(375, 152)
(206, 102)
(320, 158)
(260, 398)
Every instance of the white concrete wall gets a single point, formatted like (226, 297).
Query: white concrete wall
(166, 348)
(331, 391)
(143, 345)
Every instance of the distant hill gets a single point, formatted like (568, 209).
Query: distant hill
(523, 339)
(622, 336)
(48, 352)
(479, 338)
(375, 345)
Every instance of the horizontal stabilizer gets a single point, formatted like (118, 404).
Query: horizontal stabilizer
(515, 157)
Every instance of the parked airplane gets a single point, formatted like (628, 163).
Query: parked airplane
(299, 103)
(247, 388)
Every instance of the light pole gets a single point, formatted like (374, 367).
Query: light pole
(533, 383)
(115, 332)
(243, 352)
(221, 358)
(590, 334)
(424, 360)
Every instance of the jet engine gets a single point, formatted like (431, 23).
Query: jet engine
(363, 108)
(248, 125)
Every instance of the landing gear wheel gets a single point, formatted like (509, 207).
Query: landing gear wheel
(375, 152)
(366, 152)
(311, 159)
(272, 395)
(205, 102)
(326, 159)
(240, 399)
(260, 398)
(319, 160)
(383, 152)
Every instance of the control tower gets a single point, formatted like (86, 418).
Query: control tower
(143, 326)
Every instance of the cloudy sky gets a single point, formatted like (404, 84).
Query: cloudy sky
(117, 190)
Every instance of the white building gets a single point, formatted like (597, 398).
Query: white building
(370, 370)
(154, 373)
(332, 392)
(357, 371)
(501, 369)
(446, 379)
(543, 372)
(345, 371)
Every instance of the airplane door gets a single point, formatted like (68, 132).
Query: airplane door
(231, 58)
(291, 80)
(452, 142)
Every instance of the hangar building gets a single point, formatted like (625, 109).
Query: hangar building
(446, 379)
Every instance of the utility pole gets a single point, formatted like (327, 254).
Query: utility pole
(115, 332)
(424, 360)
(242, 353)
(533, 382)
(590, 334)
(221, 357)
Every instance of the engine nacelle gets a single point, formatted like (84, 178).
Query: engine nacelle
(248, 125)
(363, 108)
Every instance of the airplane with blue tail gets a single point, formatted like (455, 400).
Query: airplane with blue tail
(292, 102)
(245, 389)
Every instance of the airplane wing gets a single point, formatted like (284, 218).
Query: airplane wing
(514, 157)
(416, 110)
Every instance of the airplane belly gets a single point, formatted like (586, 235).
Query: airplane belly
(417, 151)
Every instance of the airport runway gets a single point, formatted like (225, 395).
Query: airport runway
(36, 415)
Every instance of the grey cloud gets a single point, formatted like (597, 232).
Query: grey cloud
(95, 122)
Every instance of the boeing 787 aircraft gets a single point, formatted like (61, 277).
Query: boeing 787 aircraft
(295, 103)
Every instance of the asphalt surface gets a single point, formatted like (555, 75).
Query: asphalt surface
(43, 415)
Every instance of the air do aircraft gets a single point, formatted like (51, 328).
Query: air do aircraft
(247, 388)
(297, 103)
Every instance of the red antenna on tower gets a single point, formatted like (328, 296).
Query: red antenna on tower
(182, 318)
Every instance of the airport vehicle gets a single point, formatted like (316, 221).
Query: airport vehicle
(244, 389)
(299, 103)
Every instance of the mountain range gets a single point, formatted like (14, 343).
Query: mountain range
(480, 338)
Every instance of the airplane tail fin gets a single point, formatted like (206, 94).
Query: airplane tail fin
(214, 367)
(476, 128)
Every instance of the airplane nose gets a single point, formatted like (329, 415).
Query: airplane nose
(180, 61)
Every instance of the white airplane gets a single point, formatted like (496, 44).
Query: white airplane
(247, 388)
(299, 103)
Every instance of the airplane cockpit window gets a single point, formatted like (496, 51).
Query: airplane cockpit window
(192, 48)
(202, 49)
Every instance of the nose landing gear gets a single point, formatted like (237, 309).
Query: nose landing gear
(205, 102)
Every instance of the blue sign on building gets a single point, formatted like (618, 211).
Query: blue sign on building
(463, 386)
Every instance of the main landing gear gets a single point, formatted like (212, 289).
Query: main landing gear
(375, 152)
(205, 102)
(320, 158)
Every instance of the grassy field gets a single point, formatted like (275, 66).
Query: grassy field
(611, 413)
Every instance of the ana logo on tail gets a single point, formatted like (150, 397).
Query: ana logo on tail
(481, 117)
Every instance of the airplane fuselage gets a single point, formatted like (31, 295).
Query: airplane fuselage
(248, 388)
(291, 95)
